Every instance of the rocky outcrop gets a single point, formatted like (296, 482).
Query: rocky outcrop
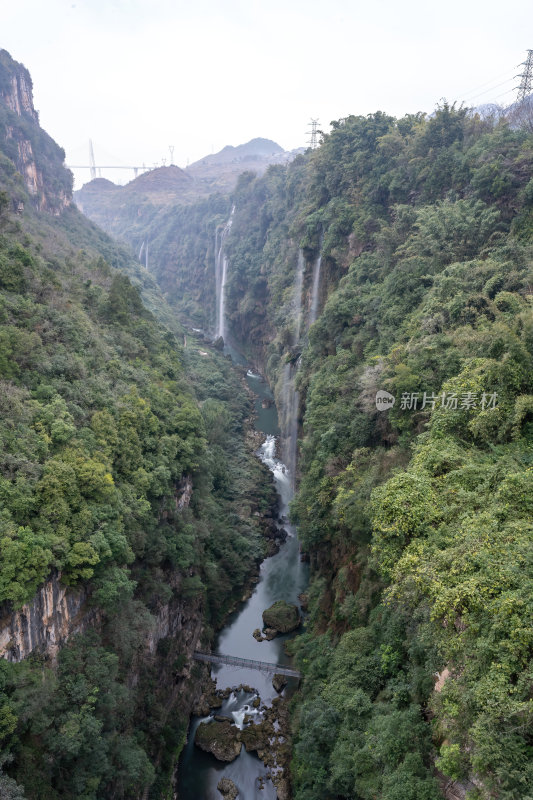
(47, 181)
(282, 617)
(17, 93)
(219, 737)
(174, 619)
(456, 790)
(184, 493)
(54, 614)
(227, 789)
(279, 682)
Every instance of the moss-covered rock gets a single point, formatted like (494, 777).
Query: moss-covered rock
(227, 789)
(220, 737)
(279, 682)
(257, 737)
(282, 616)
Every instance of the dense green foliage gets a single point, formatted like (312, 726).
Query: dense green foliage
(123, 472)
(418, 518)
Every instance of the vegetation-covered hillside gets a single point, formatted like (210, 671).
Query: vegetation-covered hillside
(417, 519)
(123, 469)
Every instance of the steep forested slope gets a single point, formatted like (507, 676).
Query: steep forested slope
(123, 471)
(418, 519)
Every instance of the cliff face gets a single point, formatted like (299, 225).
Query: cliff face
(45, 624)
(18, 94)
(35, 155)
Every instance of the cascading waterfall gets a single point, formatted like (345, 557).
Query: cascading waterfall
(313, 311)
(221, 271)
(297, 297)
(290, 398)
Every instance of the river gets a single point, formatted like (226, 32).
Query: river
(282, 577)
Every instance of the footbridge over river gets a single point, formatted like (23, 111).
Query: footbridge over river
(246, 663)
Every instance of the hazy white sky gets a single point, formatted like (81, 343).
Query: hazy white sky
(139, 75)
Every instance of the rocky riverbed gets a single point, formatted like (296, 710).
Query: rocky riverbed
(265, 731)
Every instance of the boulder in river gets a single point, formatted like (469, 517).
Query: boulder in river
(221, 738)
(279, 682)
(282, 616)
(227, 789)
(257, 737)
(270, 633)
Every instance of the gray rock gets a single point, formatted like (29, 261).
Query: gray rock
(282, 616)
(227, 789)
(279, 682)
(220, 738)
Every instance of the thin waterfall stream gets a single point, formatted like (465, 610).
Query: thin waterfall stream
(315, 287)
(221, 273)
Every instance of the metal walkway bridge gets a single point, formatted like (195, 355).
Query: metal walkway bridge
(246, 663)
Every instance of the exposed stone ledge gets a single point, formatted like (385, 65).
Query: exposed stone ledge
(44, 624)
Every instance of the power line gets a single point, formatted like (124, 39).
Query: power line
(501, 95)
(490, 89)
(470, 92)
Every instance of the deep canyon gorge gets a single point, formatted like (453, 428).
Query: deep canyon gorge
(194, 459)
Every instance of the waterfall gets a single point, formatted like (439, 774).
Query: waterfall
(290, 398)
(290, 401)
(221, 271)
(313, 311)
(297, 297)
(141, 250)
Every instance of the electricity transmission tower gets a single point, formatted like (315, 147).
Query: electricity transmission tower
(526, 78)
(313, 134)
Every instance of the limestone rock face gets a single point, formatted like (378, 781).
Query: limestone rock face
(45, 623)
(282, 617)
(219, 737)
(18, 94)
(41, 163)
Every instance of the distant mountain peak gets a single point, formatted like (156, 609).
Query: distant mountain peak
(255, 148)
(166, 178)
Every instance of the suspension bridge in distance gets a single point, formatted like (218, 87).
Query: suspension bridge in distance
(96, 170)
(246, 663)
